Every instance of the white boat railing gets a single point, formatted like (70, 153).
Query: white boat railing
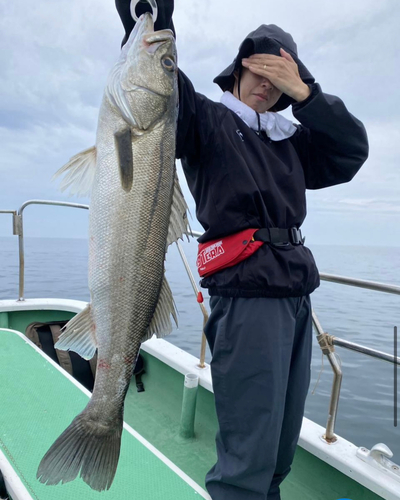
(326, 341)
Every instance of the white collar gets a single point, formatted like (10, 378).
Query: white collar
(276, 127)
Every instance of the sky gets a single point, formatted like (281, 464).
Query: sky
(56, 55)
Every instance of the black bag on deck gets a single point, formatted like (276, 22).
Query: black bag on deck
(45, 335)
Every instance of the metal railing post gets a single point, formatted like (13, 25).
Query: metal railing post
(18, 228)
(14, 215)
(328, 350)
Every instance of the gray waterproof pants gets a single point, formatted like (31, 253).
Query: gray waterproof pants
(261, 356)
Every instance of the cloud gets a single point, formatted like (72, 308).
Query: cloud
(350, 47)
(376, 187)
(372, 204)
(56, 56)
(50, 72)
(33, 157)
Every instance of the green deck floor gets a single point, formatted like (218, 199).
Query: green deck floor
(41, 402)
(155, 414)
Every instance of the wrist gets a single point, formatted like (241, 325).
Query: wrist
(302, 93)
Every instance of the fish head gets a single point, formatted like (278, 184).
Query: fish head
(145, 84)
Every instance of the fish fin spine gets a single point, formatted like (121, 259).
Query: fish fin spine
(178, 222)
(80, 171)
(79, 335)
(86, 448)
(160, 324)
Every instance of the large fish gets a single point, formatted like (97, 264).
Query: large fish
(136, 211)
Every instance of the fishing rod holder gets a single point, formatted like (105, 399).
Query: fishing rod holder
(188, 414)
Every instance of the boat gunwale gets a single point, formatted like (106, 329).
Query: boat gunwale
(15, 487)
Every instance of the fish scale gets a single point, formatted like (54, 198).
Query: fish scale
(136, 210)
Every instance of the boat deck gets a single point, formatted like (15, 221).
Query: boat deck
(48, 399)
(46, 404)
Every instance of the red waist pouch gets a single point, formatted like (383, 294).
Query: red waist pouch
(225, 252)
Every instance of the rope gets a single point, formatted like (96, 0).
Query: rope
(317, 382)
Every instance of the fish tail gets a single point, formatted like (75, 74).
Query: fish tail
(87, 446)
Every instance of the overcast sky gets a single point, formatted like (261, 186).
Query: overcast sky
(56, 54)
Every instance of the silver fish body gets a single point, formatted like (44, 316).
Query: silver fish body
(136, 210)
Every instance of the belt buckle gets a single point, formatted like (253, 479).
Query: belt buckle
(282, 244)
(295, 235)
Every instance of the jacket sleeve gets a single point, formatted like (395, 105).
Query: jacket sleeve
(331, 143)
(196, 124)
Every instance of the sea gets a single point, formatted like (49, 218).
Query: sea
(367, 414)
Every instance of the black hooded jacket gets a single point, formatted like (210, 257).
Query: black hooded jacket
(240, 180)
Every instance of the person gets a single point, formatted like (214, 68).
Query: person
(248, 169)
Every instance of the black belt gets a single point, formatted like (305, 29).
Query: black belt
(280, 237)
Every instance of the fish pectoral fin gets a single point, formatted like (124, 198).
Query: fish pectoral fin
(178, 222)
(79, 335)
(160, 324)
(80, 172)
(123, 146)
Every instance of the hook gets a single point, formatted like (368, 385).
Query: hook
(153, 5)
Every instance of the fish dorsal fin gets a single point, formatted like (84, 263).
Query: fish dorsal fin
(80, 172)
(160, 324)
(79, 335)
(178, 222)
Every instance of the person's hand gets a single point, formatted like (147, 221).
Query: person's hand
(282, 72)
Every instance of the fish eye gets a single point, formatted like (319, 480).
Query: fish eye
(168, 63)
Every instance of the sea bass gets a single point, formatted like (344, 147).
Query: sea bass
(137, 209)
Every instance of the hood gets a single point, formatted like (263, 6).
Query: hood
(266, 39)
